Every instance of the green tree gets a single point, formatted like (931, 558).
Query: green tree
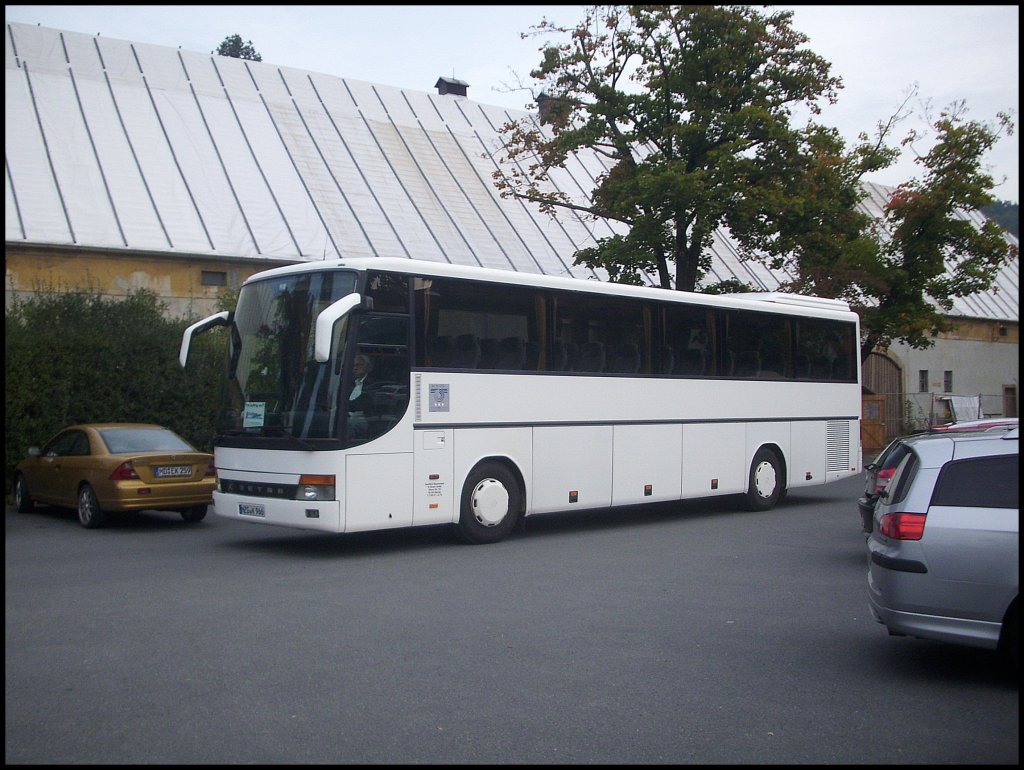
(693, 108)
(1006, 214)
(233, 46)
(935, 253)
(74, 357)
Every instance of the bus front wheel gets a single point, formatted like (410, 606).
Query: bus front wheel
(766, 484)
(491, 504)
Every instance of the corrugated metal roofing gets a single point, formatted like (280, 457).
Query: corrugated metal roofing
(128, 146)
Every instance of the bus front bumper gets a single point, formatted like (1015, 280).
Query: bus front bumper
(322, 515)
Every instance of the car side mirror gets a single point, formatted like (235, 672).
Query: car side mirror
(34, 451)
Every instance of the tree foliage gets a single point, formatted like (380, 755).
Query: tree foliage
(233, 46)
(934, 252)
(77, 357)
(1006, 214)
(693, 108)
(903, 270)
(691, 105)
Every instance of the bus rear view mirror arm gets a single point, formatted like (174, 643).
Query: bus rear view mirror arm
(325, 324)
(222, 318)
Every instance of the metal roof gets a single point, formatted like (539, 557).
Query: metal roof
(128, 146)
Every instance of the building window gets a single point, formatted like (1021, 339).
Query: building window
(215, 278)
(947, 381)
(922, 381)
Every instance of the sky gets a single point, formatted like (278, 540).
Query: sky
(949, 52)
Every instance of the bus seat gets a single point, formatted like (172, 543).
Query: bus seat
(591, 357)
(802, 367)
(748, 363)
(489, 353)
(467, 352)
(572, 357)
(627, 359)
(558, 360)
(691, 361)
(511, 354)
(531, 361)
(821, 369)
(667, 359)
(440, 352)
(773, 365)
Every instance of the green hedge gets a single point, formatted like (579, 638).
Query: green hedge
(79, 357)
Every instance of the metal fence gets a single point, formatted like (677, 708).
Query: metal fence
(913, 412)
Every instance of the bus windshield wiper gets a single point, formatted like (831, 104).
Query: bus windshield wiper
(282, 433)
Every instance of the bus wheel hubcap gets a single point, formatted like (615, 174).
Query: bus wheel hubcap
(764, 479)
(490, 502)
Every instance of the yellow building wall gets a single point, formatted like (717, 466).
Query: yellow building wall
(984, 331)
(177, 280)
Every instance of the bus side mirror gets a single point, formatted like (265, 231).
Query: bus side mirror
(325, 324)
(222, 318)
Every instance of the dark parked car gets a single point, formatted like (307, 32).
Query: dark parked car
(984, 424)
(877, 476)
(944, 554)
(104, 467)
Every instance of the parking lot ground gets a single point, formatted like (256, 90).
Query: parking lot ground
(685, 633)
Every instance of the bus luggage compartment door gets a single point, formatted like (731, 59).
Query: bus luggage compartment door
(433, 486)
(377, 491)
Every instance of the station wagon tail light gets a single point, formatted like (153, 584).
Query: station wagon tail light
(902, 526)
(313, 487)
(124, 472)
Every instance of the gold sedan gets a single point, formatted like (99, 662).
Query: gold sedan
(103, 467)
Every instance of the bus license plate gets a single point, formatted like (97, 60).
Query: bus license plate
(173, 471)
(251, 509)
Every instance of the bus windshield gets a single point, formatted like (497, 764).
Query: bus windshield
(275, 385)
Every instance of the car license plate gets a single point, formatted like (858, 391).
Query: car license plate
(251, 509)
(173, 471)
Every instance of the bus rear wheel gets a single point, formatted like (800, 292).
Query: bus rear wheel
(766, 484)
(492, 503)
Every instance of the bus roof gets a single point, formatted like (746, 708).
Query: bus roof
(749, 301)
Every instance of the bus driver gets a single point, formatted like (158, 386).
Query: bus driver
(360, 400)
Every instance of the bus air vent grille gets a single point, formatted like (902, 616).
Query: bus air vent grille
(837, 453)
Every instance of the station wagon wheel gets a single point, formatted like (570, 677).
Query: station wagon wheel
(1009, 639)
(22, 501)
(90, 515)
(194, 514)
(491, 504)
(766, 482)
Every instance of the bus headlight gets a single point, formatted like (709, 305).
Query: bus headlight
(315, 488)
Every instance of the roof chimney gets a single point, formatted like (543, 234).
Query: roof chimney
(451, 86)
(544, 107)
(551, 108)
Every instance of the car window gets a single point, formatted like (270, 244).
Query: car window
(904, 478)
(64, 445)
(123, 440)
(979, 482)
(899, 451)
(80, 447)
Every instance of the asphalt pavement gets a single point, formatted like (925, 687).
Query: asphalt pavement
(685, 633)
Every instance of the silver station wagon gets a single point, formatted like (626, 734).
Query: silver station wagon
(943, 555)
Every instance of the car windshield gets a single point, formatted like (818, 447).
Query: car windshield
(126, 440)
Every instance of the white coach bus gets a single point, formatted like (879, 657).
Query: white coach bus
(494, 395)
